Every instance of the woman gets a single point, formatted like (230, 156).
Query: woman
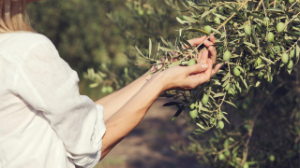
(46, 123)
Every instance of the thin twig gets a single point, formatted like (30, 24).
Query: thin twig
(294, 17)
(229, 147)
(293, 45)
(293, 5)
(258, 6)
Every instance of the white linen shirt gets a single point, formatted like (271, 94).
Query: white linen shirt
(44, 121)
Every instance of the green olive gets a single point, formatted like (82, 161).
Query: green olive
(245, 106)
(292, 54)
(204, 99)
(277, 48)
(280, 27)
(265, 21)
(221, 124)
(270, 37)
(261, 75)
(231, 92)
(227, 87)
(207, 29)
(126, 70)
(220, 116)
(247, 29)
(221, 156)
(104, 89)
(258, 62)
(231, 22)
(272, 158)
(290, 65)
(193, 113)
(141, 12)
(285, 58)
(227, 153)
(227, 56)
(248, 67)
(110, 89)
(245, 165)
(212, 120)
(149, 12)
(217, 20)
(270, 79)
(192, 106)
(236, 71)
(235, 24)
(191, 62)
(291, 1)
(234, 88)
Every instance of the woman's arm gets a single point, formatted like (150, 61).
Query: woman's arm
(113, 102)
(129, 115)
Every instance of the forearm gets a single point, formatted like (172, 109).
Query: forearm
(130, 115)
(113, 102)
(120, 123)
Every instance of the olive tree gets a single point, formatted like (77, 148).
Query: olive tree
(257, 90)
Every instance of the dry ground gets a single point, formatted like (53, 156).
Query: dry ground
(148, 145)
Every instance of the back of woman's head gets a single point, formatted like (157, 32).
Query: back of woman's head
(13, 16)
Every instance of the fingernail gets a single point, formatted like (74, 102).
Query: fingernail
(204, 65)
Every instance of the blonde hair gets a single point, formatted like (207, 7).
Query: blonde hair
(13, 16)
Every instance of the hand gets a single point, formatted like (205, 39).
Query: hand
(195, 42)
(189, 77)
(209, 44)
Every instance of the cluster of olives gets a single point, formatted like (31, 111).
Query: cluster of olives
(107, 89)
(207, 28)
(231, 88)
(270, 38)
(194, 108)
(285, 58)
(226, 57)
(222, 156)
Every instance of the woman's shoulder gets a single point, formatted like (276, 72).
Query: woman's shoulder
(25, 37)
(21, 42)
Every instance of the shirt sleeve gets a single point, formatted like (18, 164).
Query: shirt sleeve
(48, 84)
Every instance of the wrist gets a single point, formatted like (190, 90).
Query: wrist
(146, 76)
(158, 81)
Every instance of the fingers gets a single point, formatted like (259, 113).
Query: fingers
(202, 64)
(208, 43)
(213, 53)
(216, 69)
(203, 56)
(196, 41)
(197, 68)
(205, 76)
(212, 39)
(212, 49)
(209, 68)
